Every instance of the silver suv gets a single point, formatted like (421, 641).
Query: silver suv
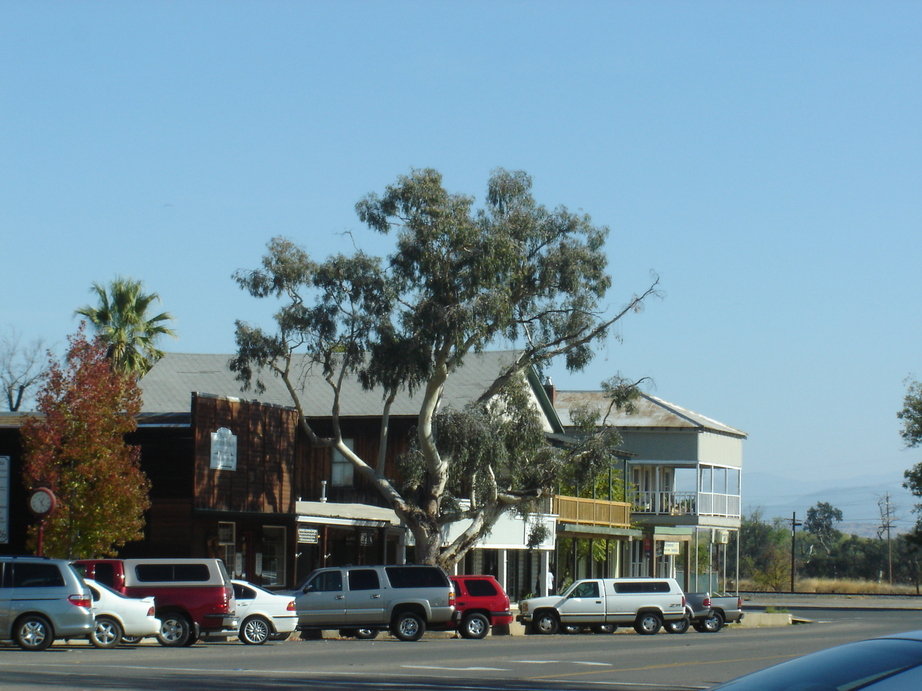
(42, 599)
(362, 600)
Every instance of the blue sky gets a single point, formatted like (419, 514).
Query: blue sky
(763, 158)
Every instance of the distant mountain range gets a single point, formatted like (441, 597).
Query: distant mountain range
(859, 498)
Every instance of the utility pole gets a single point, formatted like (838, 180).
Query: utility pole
(794, 524)
(886, 524)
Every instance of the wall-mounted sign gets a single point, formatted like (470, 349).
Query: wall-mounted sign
(308, 536)
(670, 548)
(223, 450)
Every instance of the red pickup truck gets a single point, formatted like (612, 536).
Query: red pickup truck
(193, 597)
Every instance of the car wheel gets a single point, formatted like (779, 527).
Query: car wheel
(571, 628)
(33, 632)
(255, 630)
(603, 628)
(365, 634)
(678, 626)
(712, 623)
(546, 623)
(130, 640)
(175, 630)
(408, 626)
(474, 625)
(648, 623)
(107, 633)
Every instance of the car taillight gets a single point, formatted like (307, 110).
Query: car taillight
(228, 598)
(80, 600)
(291, 606)
(739, 603)
(706, 602)
(683, 600)
(451, 598)
(150, 612)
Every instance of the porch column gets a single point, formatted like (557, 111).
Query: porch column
(547, 579)
(501, 567)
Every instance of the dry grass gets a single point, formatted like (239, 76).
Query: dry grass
(840, 585)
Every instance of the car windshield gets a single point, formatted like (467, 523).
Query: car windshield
(843, 668)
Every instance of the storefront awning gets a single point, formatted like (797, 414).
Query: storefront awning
(331, 513)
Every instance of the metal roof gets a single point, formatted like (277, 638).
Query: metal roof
(15, 419)
(168, 386)
(650, 412)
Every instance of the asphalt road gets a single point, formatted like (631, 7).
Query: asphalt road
(624, 661)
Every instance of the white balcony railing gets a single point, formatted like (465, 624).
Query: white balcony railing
(664, 502)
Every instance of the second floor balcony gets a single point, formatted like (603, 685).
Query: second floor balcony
(593, 512)
(686, 503)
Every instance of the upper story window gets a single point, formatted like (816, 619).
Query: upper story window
(720, 480)
(341, 468)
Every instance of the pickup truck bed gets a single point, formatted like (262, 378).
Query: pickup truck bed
(709, 612)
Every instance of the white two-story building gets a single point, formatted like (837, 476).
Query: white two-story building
(684, 483)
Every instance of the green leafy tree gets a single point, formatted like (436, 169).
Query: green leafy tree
(593, 469)
(76, 448)
(911, 431)
(911, 414)
(122, 319)
(765, 551)
(458, 280)
(821, 522)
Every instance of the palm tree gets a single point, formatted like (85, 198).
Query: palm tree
(122, 321)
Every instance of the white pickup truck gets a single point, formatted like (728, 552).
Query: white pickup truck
(606, 603)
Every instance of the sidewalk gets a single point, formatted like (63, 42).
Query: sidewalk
(792, 601)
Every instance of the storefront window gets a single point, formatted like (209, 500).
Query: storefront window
(273, 556)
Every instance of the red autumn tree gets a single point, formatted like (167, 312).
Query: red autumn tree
(76, 447)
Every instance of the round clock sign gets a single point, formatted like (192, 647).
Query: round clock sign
(41, 501)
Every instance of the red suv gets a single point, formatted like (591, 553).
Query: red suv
(480, 602)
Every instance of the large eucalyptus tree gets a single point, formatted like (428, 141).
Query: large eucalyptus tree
(458, 281)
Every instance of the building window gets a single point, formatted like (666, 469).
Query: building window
(341, 467)
(227, 541)
(273, 555)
